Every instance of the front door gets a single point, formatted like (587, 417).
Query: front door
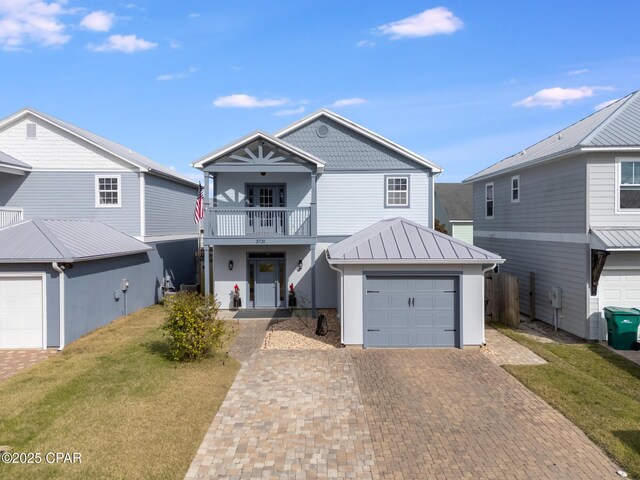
(266, 283)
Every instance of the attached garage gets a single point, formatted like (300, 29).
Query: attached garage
(404, 285)
(22, 311)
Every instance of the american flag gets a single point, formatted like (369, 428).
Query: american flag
(198, 212)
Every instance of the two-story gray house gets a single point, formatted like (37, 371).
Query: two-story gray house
(346, 216)
(89, 230)
(568, 209)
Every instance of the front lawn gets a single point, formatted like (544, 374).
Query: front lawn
(114, 397)
(594, 387)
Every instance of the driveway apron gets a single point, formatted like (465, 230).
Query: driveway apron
(397, 414)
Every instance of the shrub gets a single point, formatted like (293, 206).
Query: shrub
(192, 326)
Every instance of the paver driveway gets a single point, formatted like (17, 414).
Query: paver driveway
(401, 414)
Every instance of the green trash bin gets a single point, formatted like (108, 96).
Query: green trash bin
(622, 327)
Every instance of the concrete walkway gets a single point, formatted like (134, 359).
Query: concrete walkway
(397, 414)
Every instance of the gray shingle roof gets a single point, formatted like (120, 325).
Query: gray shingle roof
(40, 240)
(398, 240)
(616, 238)
(617, 125)
(113, 147)
(8, 160)
(456, 199)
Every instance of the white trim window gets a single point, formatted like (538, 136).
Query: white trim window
(396, 191)
(489, 193)
(108, 191)
(515, 189)
(629, 185)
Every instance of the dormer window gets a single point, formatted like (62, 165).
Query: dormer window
(32, 130)
(108, 192)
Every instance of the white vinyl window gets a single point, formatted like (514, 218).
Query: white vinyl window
(108, 192)
(396, 192)
(629, 185)
(515, 189)
(488, 200)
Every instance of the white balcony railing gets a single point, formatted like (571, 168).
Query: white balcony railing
(259, 222)
(9, 216)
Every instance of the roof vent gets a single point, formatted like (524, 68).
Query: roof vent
(560, 136)
(322, 130)
(31, 130)
(523, 152)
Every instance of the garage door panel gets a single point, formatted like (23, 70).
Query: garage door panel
(21, 316)
(428, 321)
(619, 288)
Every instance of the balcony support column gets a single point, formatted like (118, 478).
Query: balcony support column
(207, 273)
(314, 216)
(312, 251)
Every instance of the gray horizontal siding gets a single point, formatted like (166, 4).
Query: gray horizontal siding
(552, 199)
(230, 188)
(71, 195)
(555, 264)
(169, 207)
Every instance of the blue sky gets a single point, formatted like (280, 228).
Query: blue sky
(463, 83)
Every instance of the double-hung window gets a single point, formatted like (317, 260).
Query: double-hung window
(488, 200)
(515, 189)
(629, 185)
(108, 191)
(396, 191)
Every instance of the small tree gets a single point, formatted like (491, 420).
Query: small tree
(439, 227)
(192, 326)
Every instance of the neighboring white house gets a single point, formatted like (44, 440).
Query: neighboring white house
(279, 201)
(568, 210)
(454, 209)
(89, 230)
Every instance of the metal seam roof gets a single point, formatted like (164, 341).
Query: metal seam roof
(616, 238)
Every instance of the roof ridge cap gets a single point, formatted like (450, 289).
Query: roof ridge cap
(615, 114)
(51, 237)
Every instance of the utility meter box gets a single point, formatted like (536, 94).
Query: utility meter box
(555, 296)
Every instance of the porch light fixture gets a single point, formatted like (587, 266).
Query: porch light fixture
(230, 264)
(263, 173)
(299, 265)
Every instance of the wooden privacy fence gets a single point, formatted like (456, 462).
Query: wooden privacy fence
(502, 298)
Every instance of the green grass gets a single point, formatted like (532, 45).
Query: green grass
(594, 387)
(114, 397)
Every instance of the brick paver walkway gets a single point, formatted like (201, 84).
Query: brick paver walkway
(501, 350)
(249, 338)
(13, 361)
(390, 414)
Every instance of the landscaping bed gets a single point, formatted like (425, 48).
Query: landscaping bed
(300, 333)
(594, 387)
(115, 398)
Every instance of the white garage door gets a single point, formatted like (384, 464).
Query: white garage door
(619, 288)
(21, 318)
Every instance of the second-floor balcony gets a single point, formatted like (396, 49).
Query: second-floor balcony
(258, 225)
(9, 216)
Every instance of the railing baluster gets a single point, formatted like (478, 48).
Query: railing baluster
(250, 222)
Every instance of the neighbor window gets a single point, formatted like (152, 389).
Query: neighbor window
(396, 191)
(630, 185)
(515, 189)
(108, 191)
(488, 200)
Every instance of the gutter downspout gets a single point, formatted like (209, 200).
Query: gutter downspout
(341, 272)
(484, 270)
(60, 270)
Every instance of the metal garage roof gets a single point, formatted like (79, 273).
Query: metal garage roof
(398, 240)
(40, 240)
(13, 163)
(615, 239)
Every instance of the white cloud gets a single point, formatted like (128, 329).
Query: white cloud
(600, 106)
(177, 76)
(346, 102)
(241, 100)
(174, 44)
(123, 43)
(289, 111)
(24, 22)
(194, 15)
(99, 21)
(557, 97)
(578, 72)
(433, 21)
(365, 43)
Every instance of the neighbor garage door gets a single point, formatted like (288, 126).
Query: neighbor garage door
(21, 319)
(410, 311)
(619, 288)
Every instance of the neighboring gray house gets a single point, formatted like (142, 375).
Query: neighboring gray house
(79, 215)
(568, 209)
(280, 201)
(454, 209)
